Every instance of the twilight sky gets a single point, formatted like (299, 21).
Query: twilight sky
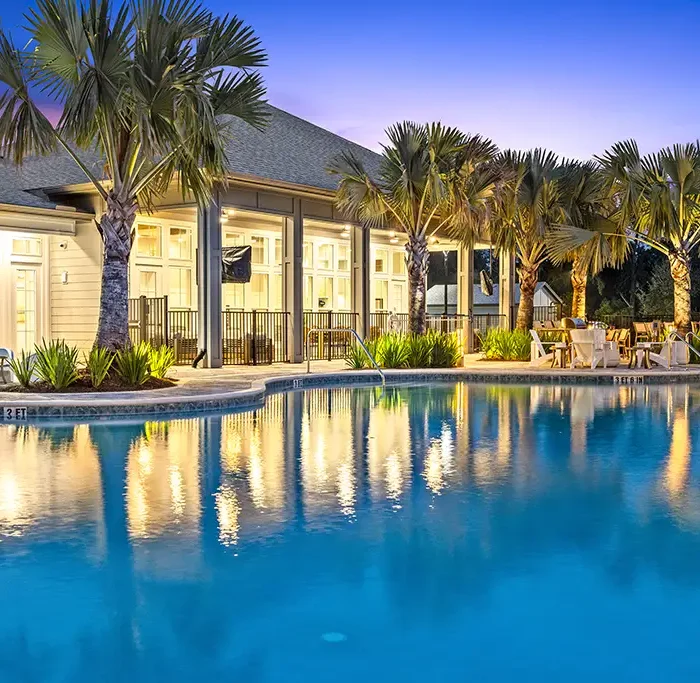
(571, 76)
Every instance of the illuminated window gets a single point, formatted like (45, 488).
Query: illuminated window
(344, 296)
(148, 283)
(278, 252)
(343, 257)
(308, 292)
(180, 287)
(308, 254)
(381, 295)
(276, 293)
(25, 309)
(259, 291)
(234, 296)
(180, 243)
(380, 259)
(148, 241)
(325, 256)
(233, 239)
(258, 254)
(325, 293)
(29, 246)
(398, 263)
(397, 304)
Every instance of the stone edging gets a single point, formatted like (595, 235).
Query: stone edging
(133, 405)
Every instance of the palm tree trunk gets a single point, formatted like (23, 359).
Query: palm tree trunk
(526, 308)
(115, 229)
(680, 272)
(417, 257)
(579, 280)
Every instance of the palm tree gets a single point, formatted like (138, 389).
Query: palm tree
(657, 203)
(526, 204)
(586, 206)
(148, 85)
(430, 178)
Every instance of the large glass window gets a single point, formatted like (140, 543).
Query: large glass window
(325, 293)
(325, 256)
(381, 295)
(278, 252)
(148, 283)
(234, 296)
(308, 255)
(398, 263)
(380, 261)
(397, 304)
(258, 254)
(344, 296)
(25, 309)
(233, 239)
(27, 246)
(180, 287)
(276, 293)
(148, 241)
(259, 291)
(180, 243)
(343, 257)
(308, 293)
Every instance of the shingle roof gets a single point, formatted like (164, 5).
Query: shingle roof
(288, 150)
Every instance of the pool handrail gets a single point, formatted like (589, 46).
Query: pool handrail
(673, 335)
(692, 335)
(344, 330)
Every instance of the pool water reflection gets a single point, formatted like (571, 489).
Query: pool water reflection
(479, 532)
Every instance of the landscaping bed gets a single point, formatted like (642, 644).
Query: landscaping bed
(84, 386)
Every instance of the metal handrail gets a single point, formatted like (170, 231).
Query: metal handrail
(343, 330)
(674, 335)
(692, 335)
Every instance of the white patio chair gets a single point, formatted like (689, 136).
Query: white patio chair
(591, 349)
(538, 354)
(6, 374)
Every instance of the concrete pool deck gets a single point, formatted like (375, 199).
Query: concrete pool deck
(200, 390)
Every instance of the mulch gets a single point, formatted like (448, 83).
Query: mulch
(83, 386)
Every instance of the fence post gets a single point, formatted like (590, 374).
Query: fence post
(143, 318)
(254, 341)
(166, 321)
(330, 334)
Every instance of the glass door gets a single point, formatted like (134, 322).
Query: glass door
(26, 305)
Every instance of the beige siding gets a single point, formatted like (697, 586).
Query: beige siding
(75, 304)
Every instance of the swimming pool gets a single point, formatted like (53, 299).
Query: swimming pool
(485, 533)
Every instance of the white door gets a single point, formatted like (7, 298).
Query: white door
(26, 308)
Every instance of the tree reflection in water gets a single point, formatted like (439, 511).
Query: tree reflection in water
(222, 546)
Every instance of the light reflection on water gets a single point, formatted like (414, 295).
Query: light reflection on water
(443, 529)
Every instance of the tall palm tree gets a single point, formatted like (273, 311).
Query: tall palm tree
(527, 203)
(587, 206)
(430, 178)
(148, 85)
(657, 200)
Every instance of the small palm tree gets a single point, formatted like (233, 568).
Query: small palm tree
(431, 178)
(526, 204)
(586, 206)
(657, 203)
(148, 85)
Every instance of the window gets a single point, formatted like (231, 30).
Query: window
(258, 254)
(397, 304)
(234, 296)
(344, 296)
(325, 293)
(233, 239)
(325, 256)
(180, 243)
(259, 290)
(276, 293)
(28, 246)
(25, 308)
(308, 255)
(278, 252)
(308, 293)
(398, 263)
(380, 258)
(148, 241)
(180, 287)
(381, 288)
(148, 283)
(343, 257)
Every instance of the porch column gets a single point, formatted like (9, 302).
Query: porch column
(209, 282)
(359, 246)
(293, 281)
(506, 289)
(465, 293)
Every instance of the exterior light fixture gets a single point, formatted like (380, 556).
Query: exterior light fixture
(433, 239)
(394, 240)
(392, 233)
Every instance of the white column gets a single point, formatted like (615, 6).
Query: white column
(506, 288)
(293, 281)
(359, 247)
(465, 294)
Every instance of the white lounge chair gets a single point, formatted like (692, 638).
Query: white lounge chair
(6, 374)
(591, 349)
(538, 354)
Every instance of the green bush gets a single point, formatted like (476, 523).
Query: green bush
(23, 368)
(160, 360)
(98, 364)
(506, 345)
(392, 351)
(446, 351)
(356, 358)
(420, 350)
(57, 363)
(132, 364)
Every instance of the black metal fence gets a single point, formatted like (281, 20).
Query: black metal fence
(254, 337)
(328, 345)
(148, 320)
(184, 335)
(541, 314)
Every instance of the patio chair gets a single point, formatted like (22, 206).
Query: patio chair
(641, 332)
(6, 374)
(549, 325)
(538, 354)
(623, 341)
(592, 350)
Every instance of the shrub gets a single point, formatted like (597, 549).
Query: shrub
(506, 345)
(446, 351)
(23, 367)
(420, 350)
(160, 361)
(132, 364)
(356, 358)
(98, 364)
(57, 363)
(392, 351)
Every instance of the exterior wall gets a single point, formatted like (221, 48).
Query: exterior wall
(75, 265)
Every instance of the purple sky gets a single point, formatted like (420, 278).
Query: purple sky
(574, 77)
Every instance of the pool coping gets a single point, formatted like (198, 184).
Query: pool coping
(23, 407)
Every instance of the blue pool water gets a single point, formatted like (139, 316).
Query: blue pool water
(453, 532)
